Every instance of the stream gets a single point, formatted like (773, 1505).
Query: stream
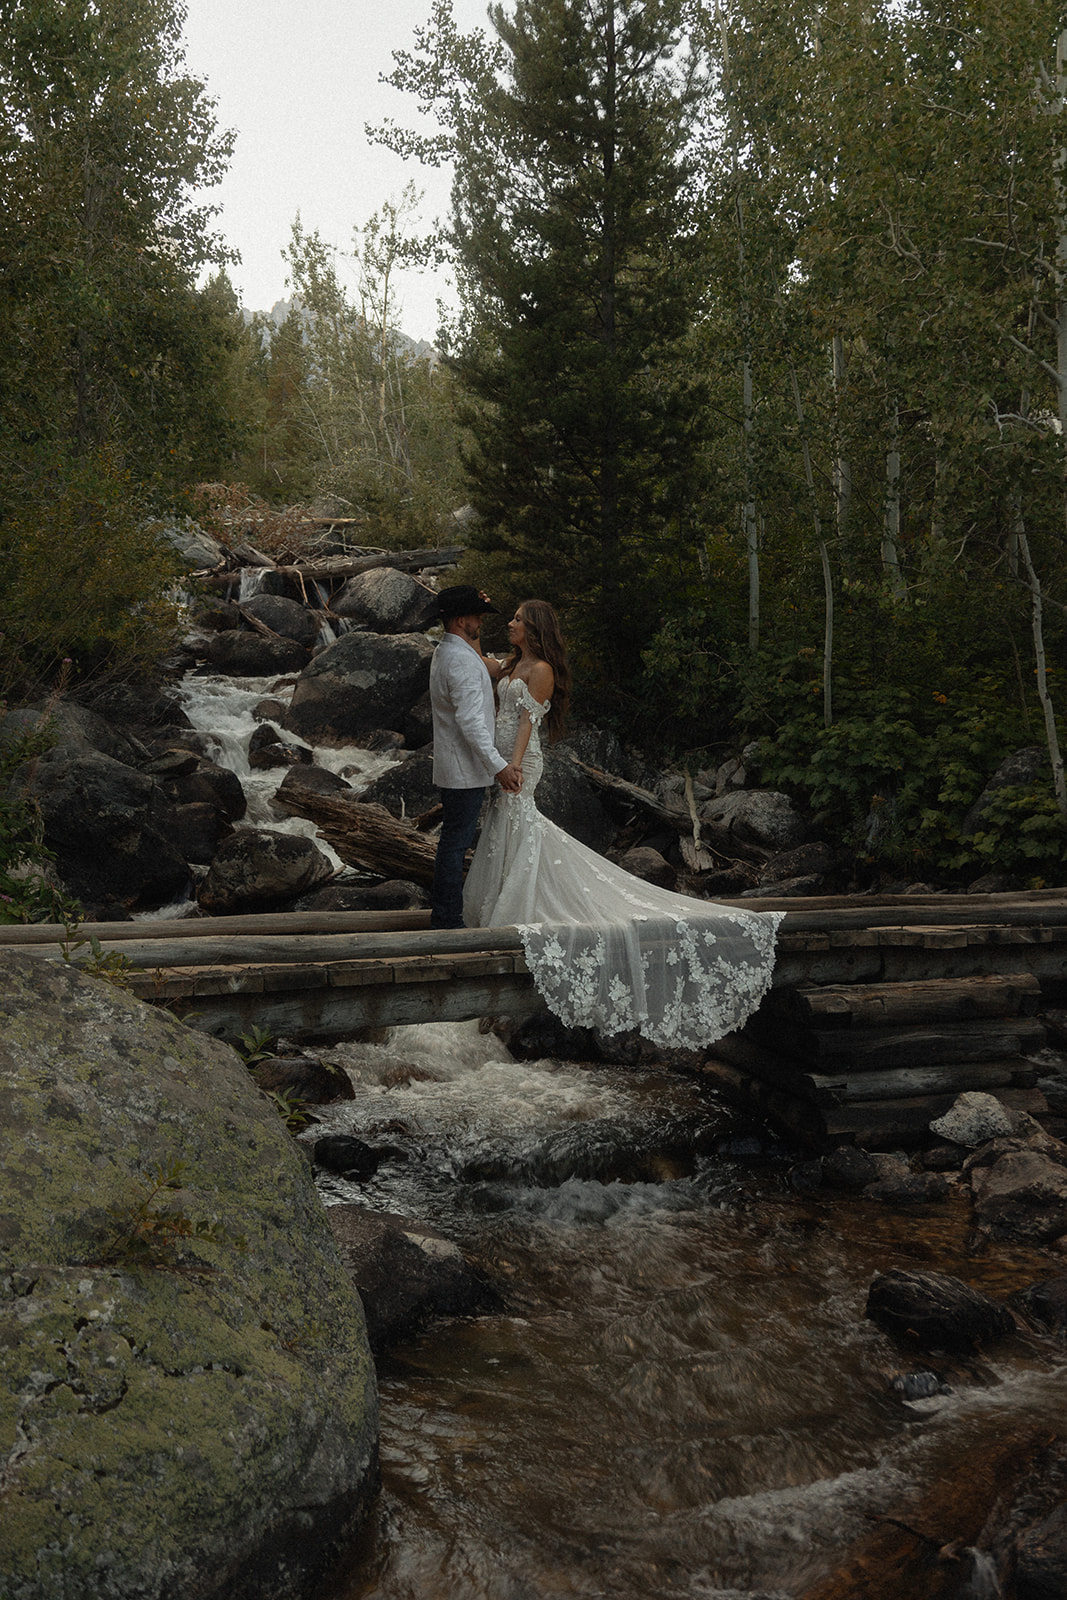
(677, 1395)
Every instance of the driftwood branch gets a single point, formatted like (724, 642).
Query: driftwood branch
(366, 836)
(713, 837)
(351, 566)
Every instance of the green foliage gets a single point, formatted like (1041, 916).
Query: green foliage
(84, 582)
(290, 1107)
(254, 1046)
(111, 966)
(570, 237)
(153, 1231)
(26, 893)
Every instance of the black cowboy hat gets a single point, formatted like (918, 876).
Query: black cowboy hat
(463, 600)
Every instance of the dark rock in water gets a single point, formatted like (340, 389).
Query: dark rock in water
(305, 1077)
(848, 1168)
(938, 1312)
(201, 828)
(395, 894)
(1045, 1303)
(1041, 1559)
(348, 1156)
(267, 748)
(268, 710)
(319, 779)
(362, 682)
(250, 655)
(942, 1157)
(1022, 1195)
(382, 740)
(258, 868)
(215, 785)
(542, 1036)
(912, 1189)
(113, 830)
(285, 617)
(806, 1176)
(406, 790)
(918, 1385)
(405, 1272)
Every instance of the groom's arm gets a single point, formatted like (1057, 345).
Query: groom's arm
(468, 702)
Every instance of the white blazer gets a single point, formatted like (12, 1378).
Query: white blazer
(461, 694)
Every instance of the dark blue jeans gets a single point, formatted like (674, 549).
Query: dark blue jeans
(459, 824)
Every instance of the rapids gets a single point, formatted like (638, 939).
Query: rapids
(678, 1397)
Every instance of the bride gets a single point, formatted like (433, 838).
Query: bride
(606, 950)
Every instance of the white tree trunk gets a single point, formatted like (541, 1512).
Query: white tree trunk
(891, 510)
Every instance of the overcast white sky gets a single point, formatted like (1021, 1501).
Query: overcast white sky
(297, 83)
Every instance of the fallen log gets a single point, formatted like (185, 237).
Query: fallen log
(351, 566)
(709, 843)
(366, 836)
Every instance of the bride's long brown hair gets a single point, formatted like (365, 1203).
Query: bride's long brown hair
(545, 639)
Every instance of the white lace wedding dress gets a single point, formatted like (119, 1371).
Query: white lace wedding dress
(605, 949)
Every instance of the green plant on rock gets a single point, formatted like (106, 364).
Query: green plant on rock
(253, 1046)
(26, 892)
(109, 965)
(152, 1231)
(290, 1107)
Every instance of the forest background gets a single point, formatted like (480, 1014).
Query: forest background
(758, 373)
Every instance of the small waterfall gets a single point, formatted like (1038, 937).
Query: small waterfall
(250, 582)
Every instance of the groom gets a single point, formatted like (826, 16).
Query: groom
(465, 759)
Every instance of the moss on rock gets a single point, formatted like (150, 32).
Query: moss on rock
(197, 1419)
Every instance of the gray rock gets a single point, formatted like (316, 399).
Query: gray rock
(364, 681)
(386, 600)
(195, 549)
(648, 865)
(250, 655)
(1023, 767)
(212, 785)
(570, 801)
(405, 1272)
(286, 617)
(1023, 1195)
(406, 790)
(179, 1415)
(258, 868)
(972, 1119)
(395, 894)
(908, 1189)
(758, 816)
(112, 830)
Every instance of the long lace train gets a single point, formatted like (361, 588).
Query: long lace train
(605, 949)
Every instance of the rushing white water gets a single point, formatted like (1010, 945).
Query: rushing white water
(679, 1397)
(222, 709)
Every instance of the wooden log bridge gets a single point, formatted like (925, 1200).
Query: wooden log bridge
(882, 1009)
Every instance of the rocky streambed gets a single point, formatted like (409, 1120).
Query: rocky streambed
(626, 1344)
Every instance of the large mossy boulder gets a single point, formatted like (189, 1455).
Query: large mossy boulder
(181, 1412)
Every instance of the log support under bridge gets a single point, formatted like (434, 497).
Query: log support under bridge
(881, 1011)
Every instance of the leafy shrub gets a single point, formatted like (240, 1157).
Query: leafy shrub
(26, 893)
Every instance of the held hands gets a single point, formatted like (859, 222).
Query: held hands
(510, 778)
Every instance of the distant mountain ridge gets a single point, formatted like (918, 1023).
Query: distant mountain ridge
(418, 349)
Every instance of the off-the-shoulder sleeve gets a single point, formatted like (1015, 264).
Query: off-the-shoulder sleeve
(536, 710)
